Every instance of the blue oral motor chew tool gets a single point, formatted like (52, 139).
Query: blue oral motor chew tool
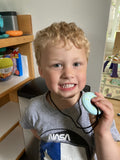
(86, 101)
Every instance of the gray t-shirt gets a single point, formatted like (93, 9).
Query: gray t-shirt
(64, 135)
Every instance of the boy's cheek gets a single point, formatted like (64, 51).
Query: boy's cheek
(40, 71)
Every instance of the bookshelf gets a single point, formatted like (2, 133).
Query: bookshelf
(11, 134)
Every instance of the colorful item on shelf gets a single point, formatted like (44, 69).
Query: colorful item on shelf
(17, 62)
(107, 60)
(13, 33)
(15, 56)
(114, 60)
(114, 70)
(19, 65)
(6, 68)
(110, 87)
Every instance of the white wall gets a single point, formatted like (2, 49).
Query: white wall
(92, 16)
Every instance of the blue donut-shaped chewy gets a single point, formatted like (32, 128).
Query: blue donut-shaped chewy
(86, 101)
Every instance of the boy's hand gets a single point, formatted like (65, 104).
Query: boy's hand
(106, 119)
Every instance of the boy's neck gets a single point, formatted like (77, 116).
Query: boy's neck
(62, 103)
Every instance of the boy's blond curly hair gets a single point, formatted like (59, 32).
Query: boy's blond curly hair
(57, 32)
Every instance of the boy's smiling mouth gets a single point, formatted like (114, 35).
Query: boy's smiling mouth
(67, 86)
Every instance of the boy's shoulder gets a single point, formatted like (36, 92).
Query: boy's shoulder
(38, 98)
(37, 101)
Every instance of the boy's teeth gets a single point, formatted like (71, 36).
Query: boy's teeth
(67, 85)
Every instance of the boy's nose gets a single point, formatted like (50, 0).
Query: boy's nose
(67, 73)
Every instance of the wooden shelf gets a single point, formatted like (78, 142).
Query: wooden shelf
(11, 134)
(25, 48)
(13, 83)
(12, 41)
(9, 118)
(12, 147)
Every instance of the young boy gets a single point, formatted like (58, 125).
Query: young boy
(58, 117)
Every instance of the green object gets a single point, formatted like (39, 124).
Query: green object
(4, 36)
(115, 82)
(5, 63)
(1, 22)
(3, 49)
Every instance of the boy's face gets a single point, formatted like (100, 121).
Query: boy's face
(64, 70)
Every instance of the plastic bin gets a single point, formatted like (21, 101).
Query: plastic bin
(10, 20)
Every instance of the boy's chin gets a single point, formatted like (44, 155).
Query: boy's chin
(69, 96)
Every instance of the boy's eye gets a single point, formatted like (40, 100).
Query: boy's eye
(76, 64)
(58, 65)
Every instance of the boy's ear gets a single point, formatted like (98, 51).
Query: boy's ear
(40, 71)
